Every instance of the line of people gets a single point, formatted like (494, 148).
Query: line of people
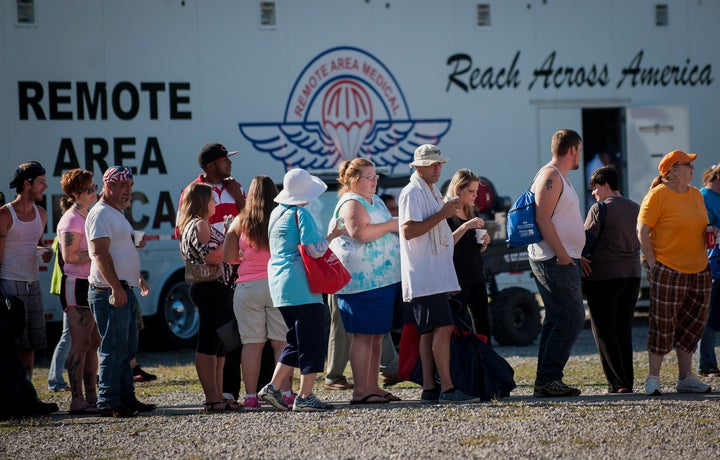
(431, 250)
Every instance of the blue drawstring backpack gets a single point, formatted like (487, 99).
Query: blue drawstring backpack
(520, 223)
(521, 227)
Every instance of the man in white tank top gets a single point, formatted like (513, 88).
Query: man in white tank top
(555, 263)
(22, 224)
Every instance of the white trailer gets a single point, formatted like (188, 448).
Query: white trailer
(92, 83)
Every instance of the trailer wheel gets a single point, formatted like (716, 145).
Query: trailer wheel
(515, 316)
(176, 323)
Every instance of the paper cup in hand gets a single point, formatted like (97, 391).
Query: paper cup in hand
(138, 237)
(479, 235)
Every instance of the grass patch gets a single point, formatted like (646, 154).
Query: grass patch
(586, 443)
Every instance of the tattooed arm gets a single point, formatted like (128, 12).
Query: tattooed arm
(69, 247)
(548, 187)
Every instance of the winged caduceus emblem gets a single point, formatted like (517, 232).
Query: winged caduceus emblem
(345, 104)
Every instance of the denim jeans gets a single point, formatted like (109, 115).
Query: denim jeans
(56, 382)
(559, 287)
(118, 345)
(707, 359)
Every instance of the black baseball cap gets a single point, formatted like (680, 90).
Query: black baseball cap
(26, 171)
(212, 152)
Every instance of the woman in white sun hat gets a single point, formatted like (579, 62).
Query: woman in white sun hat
(303, 311)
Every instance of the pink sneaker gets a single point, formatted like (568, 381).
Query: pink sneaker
(251, 403)
(289, 399)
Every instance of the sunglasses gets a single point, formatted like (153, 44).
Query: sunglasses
(90, 190)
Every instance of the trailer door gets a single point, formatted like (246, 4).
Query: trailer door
(651, 132)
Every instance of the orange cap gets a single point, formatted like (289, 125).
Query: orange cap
(676, 156)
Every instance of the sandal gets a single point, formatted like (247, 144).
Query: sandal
(370, 399)
(236, 405)
(86, 409)
(340, 384)
(390, 397)
(219, 406)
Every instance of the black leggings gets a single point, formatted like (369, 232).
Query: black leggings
(214, 303)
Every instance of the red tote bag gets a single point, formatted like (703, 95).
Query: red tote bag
(326, 274)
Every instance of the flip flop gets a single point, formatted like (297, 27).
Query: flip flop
(366, 400)
(390, 397)
(341, 384)
(87, 409)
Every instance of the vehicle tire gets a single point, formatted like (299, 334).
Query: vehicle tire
(515, 317)
(176, 323)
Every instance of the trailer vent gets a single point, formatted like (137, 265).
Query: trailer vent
(268, 17)
(483, 15)
(661, 15)
(25, 12)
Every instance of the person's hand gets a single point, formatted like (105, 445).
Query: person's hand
(486, 239)
(227, 221)
(650, 262)
(564, 260)
(474, 223)
(46, 255)
(119, 297)
(144, 287)
(234, 188)
(337, 229)
(394, 224)
(450, 208)
(585, 266)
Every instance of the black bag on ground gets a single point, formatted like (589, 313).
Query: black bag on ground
(476, 368)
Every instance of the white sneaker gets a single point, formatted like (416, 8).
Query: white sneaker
(652, 386)
(691, 384)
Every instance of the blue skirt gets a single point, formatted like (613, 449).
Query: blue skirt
(369, 312)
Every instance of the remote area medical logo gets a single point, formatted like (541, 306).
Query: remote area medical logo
(345, 104)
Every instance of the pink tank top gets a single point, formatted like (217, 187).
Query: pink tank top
(254, 265)
(74, 222)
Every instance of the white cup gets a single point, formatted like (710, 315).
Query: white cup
(479, 235)
(138, 236)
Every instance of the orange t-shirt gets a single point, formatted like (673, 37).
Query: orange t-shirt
(677, 222)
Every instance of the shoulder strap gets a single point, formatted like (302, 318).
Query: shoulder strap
(561, 182)
(272, 223)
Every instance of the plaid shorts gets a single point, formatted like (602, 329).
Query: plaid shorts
(33, 338)
(678, 308)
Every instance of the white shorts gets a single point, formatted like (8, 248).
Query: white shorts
(257, 319)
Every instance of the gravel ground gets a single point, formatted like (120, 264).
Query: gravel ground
(593, 425)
